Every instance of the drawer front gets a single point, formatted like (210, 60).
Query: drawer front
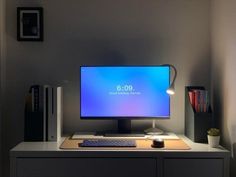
(193, 167)
(86, 167)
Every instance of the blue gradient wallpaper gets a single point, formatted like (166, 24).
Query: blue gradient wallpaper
(125, 91)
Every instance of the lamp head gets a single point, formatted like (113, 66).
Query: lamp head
(171, 89)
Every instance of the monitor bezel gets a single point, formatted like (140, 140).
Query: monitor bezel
(124, 117)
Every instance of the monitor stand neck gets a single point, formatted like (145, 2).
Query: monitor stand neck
(154, 130)
(124, 126)
(124, 130)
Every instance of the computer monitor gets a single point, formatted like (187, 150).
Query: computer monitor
(124, 92)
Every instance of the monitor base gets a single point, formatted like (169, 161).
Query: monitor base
(124, 135)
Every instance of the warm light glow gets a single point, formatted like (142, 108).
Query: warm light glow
(170, 91)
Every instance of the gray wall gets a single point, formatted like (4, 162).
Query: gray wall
(2, 74)
(224, 71)
(79, 32)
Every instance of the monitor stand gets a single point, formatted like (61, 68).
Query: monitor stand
(124, 130)
(154, 130)
(124, 126)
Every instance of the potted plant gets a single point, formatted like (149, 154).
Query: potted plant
(213, 137)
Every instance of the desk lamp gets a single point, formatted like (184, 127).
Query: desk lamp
(170, 91)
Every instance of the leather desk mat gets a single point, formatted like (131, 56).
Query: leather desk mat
(170, 144)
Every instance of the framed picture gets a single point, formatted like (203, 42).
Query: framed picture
(30, 24)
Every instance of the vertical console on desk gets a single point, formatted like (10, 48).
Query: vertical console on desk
(196, 123)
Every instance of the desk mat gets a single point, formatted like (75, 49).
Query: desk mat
(179, 144)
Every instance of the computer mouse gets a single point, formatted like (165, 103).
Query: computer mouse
(158, 143)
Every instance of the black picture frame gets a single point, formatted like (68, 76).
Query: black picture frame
(29, 23)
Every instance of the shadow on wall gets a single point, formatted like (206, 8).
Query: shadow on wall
(194, 73)
(233, 161)
(137, 51)
(217, 98)
(112, 57)
(217, 109)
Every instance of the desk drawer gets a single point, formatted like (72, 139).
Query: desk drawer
(86, 167)
(193, 167)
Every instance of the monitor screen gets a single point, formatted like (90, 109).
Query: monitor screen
(113, 92)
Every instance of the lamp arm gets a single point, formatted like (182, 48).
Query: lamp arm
(175, 73)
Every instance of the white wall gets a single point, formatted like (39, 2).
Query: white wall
(224, 71)
(79, 32)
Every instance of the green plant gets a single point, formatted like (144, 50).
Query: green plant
(213, 132)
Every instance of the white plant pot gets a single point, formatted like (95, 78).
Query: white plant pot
(213, 141)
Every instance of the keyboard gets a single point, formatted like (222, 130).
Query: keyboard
(108, 143)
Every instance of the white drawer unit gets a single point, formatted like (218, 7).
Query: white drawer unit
(45, 159)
